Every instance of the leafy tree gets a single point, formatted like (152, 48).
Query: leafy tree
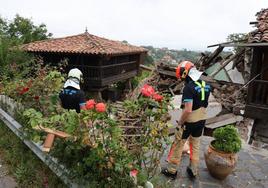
(24, 30)
(237, 38)
(14, 33)
(148, 60)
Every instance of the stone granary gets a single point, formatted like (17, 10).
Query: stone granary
(102, 61)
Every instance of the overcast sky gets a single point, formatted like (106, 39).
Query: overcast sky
(176, 24)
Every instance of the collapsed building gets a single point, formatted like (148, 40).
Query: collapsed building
(239, 82)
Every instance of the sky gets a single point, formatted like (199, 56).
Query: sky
(175, 24)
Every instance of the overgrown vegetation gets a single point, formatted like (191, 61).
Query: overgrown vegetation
(137, 79)
(14, 33)
(227, 139)
(24, 165)
(96, 151)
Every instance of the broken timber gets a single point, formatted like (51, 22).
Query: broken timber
(51, 136)
(217, 121)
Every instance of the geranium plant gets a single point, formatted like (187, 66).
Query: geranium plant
(151, 110)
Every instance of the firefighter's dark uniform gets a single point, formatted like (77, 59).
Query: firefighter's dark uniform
(72, 98)
(197, 93)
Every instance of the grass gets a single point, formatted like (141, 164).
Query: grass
(27, 169)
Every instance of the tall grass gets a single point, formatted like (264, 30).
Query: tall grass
(29, 171)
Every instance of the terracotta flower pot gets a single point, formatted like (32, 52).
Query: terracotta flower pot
(220, 164)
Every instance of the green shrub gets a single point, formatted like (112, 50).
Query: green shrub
(227, 139)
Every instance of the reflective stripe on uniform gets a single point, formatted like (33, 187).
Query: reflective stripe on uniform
(69, 91)
(202, 88)
(188, 100)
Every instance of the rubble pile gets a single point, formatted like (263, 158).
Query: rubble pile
(261, 33)
(232, 96)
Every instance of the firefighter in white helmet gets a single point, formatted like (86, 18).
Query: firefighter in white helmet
(192, 121)
(72, 97)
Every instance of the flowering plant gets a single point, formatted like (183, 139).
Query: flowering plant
(151, 134)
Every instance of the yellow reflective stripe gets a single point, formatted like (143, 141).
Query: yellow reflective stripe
(202, 89)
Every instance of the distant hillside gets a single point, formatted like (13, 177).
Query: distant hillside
(165, 55)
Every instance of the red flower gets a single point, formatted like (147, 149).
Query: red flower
(157, 97)
(36, 97)
(147, 90)
(24, 90)
(100, 107)
(90, 104)
(133, 173)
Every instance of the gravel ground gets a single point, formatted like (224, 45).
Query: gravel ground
(6, 181)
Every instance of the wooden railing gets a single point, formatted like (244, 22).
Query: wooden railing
(99, 76)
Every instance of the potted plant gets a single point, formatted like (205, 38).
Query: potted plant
(221, 155)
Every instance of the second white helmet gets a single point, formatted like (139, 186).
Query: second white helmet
(76, 73)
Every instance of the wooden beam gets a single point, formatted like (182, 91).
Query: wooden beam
(222, 120)
(60, 134)
(213, 56)
(216, 122)
(147, 68)
(48, 142)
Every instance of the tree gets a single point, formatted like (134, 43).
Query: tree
(237, 38)
(25, 31)
(14, 33)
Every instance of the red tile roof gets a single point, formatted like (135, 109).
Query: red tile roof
(261, 33)
(83, 43)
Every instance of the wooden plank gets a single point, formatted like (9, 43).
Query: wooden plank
(260, 44)
(224, 122)
(213, 56)
(131, 127)
(119, 77)
(219, 44)
(256, 111)
(60, 134)
(48, 142)
(216, 122)
(166, 72)
(147, 68)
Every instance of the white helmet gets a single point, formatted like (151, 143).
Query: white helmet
(76, 73)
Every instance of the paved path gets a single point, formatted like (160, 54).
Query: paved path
(6, 181)
(251, 170)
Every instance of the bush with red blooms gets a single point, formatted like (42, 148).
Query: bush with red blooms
(90, 104)
(149, 91)
(40, 91)
(151, 112)
(99, 107)
(158, 97)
